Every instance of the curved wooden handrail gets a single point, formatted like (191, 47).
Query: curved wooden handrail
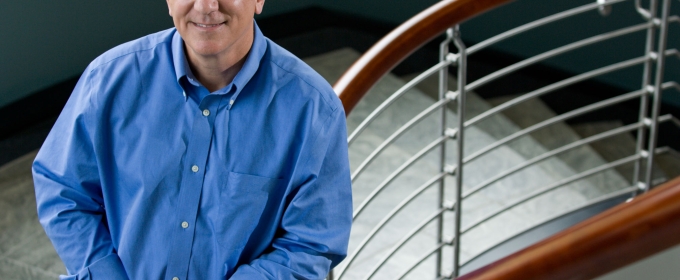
(615, 238)
(401, 42)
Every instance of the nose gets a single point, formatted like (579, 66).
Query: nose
(206, 6)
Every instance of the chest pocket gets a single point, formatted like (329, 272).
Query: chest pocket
(242, 202)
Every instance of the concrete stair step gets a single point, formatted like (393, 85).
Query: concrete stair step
(580, 159)
(623, 145)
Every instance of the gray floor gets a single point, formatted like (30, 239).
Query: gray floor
(25, 250)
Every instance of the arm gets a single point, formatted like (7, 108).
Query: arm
(68, 193)
(317, 221)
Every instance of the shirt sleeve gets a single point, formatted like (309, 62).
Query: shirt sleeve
(316, 224)
(68, 192)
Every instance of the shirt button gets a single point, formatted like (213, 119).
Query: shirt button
(194, 168)
(206, 112)
(231, 102)
(175, 278)
(185, 225)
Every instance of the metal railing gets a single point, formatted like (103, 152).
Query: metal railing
(451, 196)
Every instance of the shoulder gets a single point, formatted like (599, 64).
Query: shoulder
(120, 72)
(128, 50)
(309, 85)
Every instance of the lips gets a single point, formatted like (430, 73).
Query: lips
(208, 25)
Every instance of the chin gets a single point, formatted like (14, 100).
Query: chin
(207, 49)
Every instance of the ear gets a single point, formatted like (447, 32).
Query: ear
(169, 9)
(259, 5)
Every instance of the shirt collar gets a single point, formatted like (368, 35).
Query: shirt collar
(244, 75)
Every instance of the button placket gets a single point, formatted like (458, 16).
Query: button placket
(198, 148)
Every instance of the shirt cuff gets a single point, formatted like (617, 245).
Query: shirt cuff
(109, 267)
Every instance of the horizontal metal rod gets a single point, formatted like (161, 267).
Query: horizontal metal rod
(371, 117)
(396, 173)
(555, 152)
(566, 48)
(676, 122)
(562, 84)
(405, 239)
(421, 259)
(667, 150)
(666, 117)
(556, 86)
(669, 117)
(664, 150)
(558, 216)
(350, 259)
(671, 84)
(534, 24)
(672, 52)
(415, 120)
(553, 120)
(555, 186)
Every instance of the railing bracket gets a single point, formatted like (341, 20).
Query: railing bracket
(449, 205)
(647, 122)
(450, 169)
(653, 56)
(604, 8)
(451, 95)
(641, 186)
(644, 154)
(452, 58)
(650, 89)
(451, 133)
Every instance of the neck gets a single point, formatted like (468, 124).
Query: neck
(218, 70)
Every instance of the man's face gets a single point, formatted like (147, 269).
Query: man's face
(213, 27)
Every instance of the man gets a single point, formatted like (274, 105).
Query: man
(201, 152)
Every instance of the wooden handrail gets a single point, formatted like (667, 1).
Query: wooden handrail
(403, 41)
(615, 238)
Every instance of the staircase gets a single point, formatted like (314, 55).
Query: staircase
(501, 168)
(489, 230)
(498, 195)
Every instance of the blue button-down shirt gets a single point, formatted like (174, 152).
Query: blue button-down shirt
(147, 175)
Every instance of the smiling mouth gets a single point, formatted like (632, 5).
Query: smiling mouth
(208, 25)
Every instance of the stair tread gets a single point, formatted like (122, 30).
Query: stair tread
(559, 134)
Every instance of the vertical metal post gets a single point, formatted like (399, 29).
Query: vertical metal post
(660, 64)
(644, 99)
(443, 89)
(462, 79)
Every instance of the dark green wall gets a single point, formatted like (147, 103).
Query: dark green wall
(574, 29)
(44, 42)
